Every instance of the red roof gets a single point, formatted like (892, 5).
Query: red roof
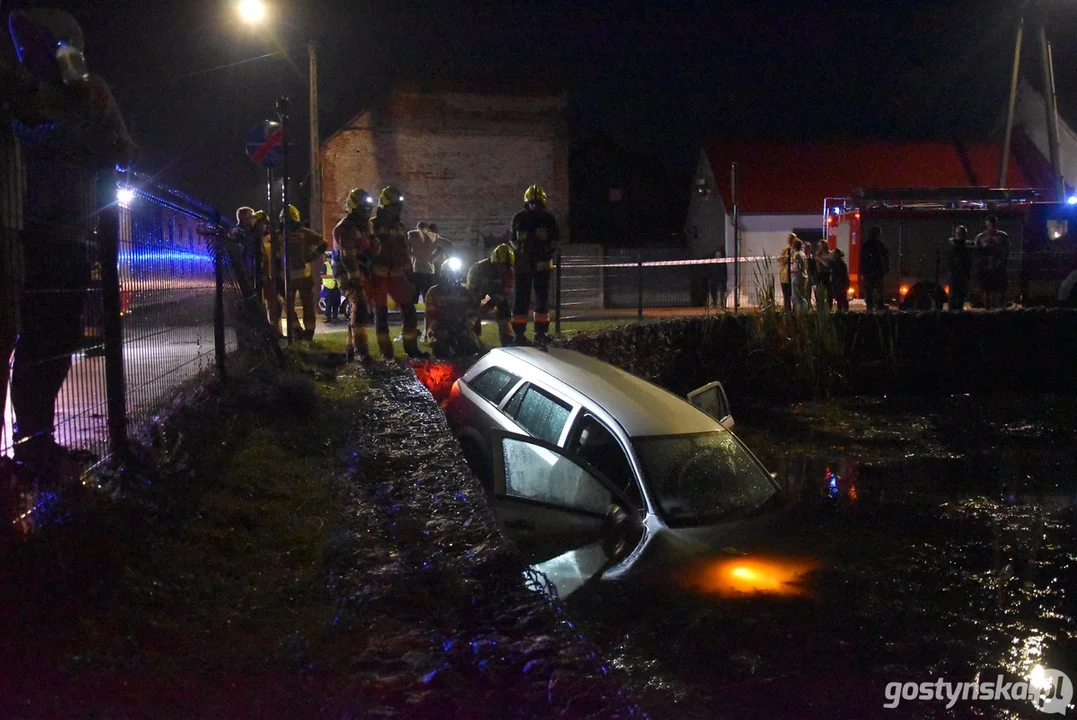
(791, 177)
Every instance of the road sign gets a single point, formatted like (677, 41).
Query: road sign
(265, 144)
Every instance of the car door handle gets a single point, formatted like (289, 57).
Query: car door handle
(519, 524)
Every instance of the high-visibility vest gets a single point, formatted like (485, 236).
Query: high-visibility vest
(329, 282)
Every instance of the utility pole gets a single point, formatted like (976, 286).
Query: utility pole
(282, 114)
(1004, 165)
(315, 149)
(736, 241)
(1051, 101)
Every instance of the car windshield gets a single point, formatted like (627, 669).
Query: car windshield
(702, 478)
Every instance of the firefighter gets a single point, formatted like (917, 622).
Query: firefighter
(304, 246)
(452, 314)
(270, 269)
(490, 283)
(392, 276)
(356, 246)
(45, 238)
(535, 232)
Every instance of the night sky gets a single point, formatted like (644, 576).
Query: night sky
(657, 77)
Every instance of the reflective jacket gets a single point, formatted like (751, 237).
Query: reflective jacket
(355, 246)
(489, 278)
(329, 282)
(536, 236)
(303, 247)
(393, 257)
(451, 313)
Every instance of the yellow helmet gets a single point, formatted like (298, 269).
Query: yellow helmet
(359, 198)
(293, 214)
(503, 253)
(535, 194)
(260, 216)
(389, 196)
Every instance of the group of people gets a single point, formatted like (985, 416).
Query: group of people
(804, 271)
(374, 258)
(988, 255)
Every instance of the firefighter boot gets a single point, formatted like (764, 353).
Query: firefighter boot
(411, 347)
(385, 344)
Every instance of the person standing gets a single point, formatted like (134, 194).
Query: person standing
(823, 297)
(490, 281)
(46, 235)
(421, 245)
(392, 276)
(959, 264)
(535, 231)
(330, 290)
(993, 248)
(717, 280)
(785, 259)
(798, 276)
(874, 264)
(304, 246)
(839, 280)
(354, 246)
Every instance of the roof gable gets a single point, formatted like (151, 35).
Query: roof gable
(794, 178)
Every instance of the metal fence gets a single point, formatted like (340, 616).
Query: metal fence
(111, 299)
(592, 283)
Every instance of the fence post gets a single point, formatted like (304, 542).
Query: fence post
(557, 296)
(218, 307)
(108, 237)
(639, 286)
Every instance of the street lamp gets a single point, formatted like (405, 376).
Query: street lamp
(255, 12)
(252, 11)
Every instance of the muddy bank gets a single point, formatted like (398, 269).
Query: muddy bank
(850, 354)
(302, 545)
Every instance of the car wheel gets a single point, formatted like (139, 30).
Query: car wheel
(480, 464)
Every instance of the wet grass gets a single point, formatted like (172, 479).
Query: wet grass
(211, 564)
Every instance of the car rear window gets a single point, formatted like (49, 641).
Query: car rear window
(540, 413)
(493, 383)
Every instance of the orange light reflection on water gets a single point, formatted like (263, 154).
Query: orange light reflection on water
(751, 575)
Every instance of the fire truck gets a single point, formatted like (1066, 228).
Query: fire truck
(917, 224)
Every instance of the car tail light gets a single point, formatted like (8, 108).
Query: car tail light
(904, 290)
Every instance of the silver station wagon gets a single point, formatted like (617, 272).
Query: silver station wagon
(588, 465)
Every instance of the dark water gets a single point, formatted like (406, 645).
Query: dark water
(944, 546)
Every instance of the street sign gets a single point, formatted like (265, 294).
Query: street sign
(265, 144)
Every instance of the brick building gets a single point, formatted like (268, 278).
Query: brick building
(461, 159)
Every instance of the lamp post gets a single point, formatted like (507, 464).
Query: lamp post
(256, 12)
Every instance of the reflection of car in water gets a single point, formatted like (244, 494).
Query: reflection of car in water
(588, 465)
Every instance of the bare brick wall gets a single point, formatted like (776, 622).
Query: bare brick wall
(462, 161)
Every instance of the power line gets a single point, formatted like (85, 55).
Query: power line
(279, 53)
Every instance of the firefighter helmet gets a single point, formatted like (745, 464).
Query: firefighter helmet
(535, 194)
(260, 216)
(453, 271)
(292, 213)
(390, 196)
(359, 198)
(503, 253)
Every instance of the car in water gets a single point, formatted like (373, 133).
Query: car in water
(588, 466)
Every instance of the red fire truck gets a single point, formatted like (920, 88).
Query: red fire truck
(917, 224)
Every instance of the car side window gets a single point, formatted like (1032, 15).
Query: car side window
(493, 383)
(596, 445)
(534, 473)
(539, 412)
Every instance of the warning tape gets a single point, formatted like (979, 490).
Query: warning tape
(667, 263)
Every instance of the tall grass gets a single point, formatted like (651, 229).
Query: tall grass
(802, 350)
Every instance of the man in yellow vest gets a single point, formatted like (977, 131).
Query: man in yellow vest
(330, 291)
(303, 247)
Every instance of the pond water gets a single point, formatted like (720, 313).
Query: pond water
(925, 542)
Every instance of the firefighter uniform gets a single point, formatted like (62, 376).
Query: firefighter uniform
(271, 269)
(536, 235)
(451, 316)
(493, 277)
(356, 246)
(303, 247)
(45, 238)
(392, 276)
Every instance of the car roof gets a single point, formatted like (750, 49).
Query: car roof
(641, 407)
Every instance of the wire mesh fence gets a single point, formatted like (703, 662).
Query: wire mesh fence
(113, 295)
(592, 283)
